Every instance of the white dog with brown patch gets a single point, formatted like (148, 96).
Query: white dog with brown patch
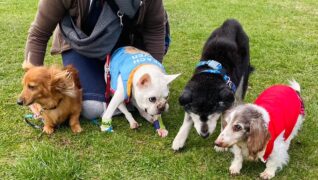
(263, 130)
(138, 77)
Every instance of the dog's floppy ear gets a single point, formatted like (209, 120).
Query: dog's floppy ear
(27, 66)
(226, 98)
(170, 78)
(144, 81)
(257, 137)
(186, 97)
(63, 82)
(74, 74)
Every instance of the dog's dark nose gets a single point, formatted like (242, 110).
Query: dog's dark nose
(205, 128)
(20, 101)
(161, 108)
(218, 143)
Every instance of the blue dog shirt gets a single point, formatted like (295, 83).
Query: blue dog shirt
(123, 61)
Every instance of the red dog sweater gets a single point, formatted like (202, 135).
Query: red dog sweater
(283, 105)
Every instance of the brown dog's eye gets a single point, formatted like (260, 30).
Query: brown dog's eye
(237, 128)
(152, 99)
(31, 87)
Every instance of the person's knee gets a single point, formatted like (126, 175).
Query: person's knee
(92, 109)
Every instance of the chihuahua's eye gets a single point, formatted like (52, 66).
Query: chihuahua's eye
(152, 99)
(237, 127)
(31, 87)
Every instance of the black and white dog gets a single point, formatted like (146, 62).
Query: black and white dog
(224, 64)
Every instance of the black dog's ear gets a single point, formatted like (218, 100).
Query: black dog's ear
(226, 97)
(186, 97)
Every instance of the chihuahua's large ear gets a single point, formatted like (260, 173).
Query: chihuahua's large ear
(144, 81)
(170, 78)
(257, 137)
(186, 97)
(27, 66)
(63, 82)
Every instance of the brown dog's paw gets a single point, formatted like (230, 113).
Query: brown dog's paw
(77, 129)
(48, 130)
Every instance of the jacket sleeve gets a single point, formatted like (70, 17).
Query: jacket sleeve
(154, 28)
(49, 13)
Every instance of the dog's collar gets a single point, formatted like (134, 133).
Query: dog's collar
(216, 68)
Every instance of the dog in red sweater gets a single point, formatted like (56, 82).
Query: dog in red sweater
(263, 130)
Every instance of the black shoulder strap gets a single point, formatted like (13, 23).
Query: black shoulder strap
(112, 4)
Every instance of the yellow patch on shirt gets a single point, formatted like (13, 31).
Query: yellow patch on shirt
(130, 80)
(133, 50)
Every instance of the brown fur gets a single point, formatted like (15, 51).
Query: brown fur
(57, 91)
(258, 135)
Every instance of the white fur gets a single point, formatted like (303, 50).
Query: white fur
(189, 120)
(295, 85)
(158, 87)
(183, 133)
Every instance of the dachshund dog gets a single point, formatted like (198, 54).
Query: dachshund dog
(56, 91)
(263, 130)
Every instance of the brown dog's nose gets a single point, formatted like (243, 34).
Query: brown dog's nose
(20, 101)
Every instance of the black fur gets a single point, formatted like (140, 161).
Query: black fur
(206, 93)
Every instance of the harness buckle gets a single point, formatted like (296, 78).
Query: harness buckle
(214, 64)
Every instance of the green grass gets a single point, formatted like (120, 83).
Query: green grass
(283, 42)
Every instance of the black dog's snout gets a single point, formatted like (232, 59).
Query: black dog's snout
(20, 101)
(205, 128)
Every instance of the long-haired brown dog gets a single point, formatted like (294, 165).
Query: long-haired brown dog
(57, 91)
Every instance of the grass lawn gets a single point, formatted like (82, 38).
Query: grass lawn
(283, 43)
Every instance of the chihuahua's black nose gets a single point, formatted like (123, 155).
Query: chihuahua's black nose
(20, 101)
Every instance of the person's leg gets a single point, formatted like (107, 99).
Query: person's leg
(91, 75)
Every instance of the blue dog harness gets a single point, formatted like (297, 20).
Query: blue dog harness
(216, 68)
(124, 63)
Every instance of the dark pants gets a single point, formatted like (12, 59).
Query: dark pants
(91, 74)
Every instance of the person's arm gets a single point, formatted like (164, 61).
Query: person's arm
(49, 13)
(154, 29)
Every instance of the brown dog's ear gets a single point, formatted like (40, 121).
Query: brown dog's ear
(144, 81)
(63, 82)
(74, 75)
(27, 66)
(258, 137)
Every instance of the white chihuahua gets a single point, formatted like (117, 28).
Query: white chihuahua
(138, 77)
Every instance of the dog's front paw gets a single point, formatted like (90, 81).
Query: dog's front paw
(162, 132)
(134, 125)
(76, 129)
(48, 129)
(267, 175)
(177, 145)
(234, 170)
(220, 149)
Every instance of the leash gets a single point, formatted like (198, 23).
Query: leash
(28, 117)
(107, 78)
